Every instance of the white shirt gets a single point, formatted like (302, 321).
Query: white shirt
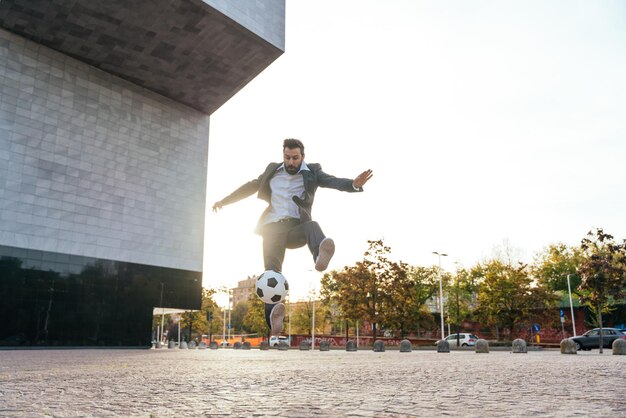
(284, 186)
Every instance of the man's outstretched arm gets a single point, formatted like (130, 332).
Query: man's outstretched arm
(244, 191)
(362, 178)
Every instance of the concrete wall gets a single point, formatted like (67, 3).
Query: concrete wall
(265, 18)
(95, 166)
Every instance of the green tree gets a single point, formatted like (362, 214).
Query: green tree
(237, 315)
(410, 288)
(507, 296)
(254, 319)
(362, 291)
(552, 266)
(461, 300)
(302, 319)
(603, 271)
(209, 305)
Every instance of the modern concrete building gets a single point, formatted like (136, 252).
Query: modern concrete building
(104, 130)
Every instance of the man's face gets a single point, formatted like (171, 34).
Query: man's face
(293, 160)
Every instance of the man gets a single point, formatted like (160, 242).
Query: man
(290, 188)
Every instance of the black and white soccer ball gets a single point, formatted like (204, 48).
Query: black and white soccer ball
(272, 287)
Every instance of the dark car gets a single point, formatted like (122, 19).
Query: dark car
(591, 339)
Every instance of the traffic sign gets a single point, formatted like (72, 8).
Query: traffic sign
(536, 326)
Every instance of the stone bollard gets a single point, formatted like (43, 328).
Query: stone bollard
(405, 346)
(264, 345)
(619, 347)
(568, 346)
(213, 345)
(350, 346)
(183, 345)
(202, 345)
(171, 344)
(283, 346)
(482, 346)
(237, 345)
(324, 345)
(379, 346)
(245, 345)
(443, 346)
(519, 346)
(158, 344)
(192, 345)
(304, 346)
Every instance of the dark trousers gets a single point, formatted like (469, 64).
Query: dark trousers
(279, 236)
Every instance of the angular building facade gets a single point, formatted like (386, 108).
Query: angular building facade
(104, 130)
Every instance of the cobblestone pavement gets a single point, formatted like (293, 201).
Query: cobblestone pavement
(168, 383)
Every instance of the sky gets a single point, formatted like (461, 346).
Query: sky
(488, 125)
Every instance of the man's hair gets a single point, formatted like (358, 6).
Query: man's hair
(292, 143)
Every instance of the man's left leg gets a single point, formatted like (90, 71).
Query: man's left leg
(321, 247)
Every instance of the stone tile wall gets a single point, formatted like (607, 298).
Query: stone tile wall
(92, 165)
(265, 18)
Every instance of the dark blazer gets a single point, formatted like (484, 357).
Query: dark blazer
(313, 179)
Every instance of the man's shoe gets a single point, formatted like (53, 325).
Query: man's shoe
(277, 316)
(327, 250)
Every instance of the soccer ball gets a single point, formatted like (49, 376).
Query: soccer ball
(272, 287)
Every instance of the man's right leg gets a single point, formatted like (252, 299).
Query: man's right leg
(274, 246)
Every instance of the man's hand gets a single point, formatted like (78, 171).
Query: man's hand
(361, 179)
(217, 206)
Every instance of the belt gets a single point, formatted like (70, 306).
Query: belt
(286, 219)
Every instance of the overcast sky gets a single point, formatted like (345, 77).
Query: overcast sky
(485, 122)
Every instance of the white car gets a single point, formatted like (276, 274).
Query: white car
(275, 340)
(465, 339)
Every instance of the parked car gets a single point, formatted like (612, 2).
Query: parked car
(275, 340)
(465, 339)
(591, 339)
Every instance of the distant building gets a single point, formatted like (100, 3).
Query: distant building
(244, 289)
(104, 130)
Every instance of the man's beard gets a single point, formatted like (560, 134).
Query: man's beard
(293, 170)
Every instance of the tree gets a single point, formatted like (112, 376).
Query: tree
(603, 271)
(507, 296)
(303, 315)
(362, 291)
(410, 288)
(551, 267)
(461, 294)
(209, 305)
(254, 319)
(238, 314)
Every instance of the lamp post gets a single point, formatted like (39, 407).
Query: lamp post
(229, 309)
(162, 313)
(571, 305)
(443, 335)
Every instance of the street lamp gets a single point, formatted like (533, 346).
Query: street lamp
(443, 335)
(162, 313)
(571, 305)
